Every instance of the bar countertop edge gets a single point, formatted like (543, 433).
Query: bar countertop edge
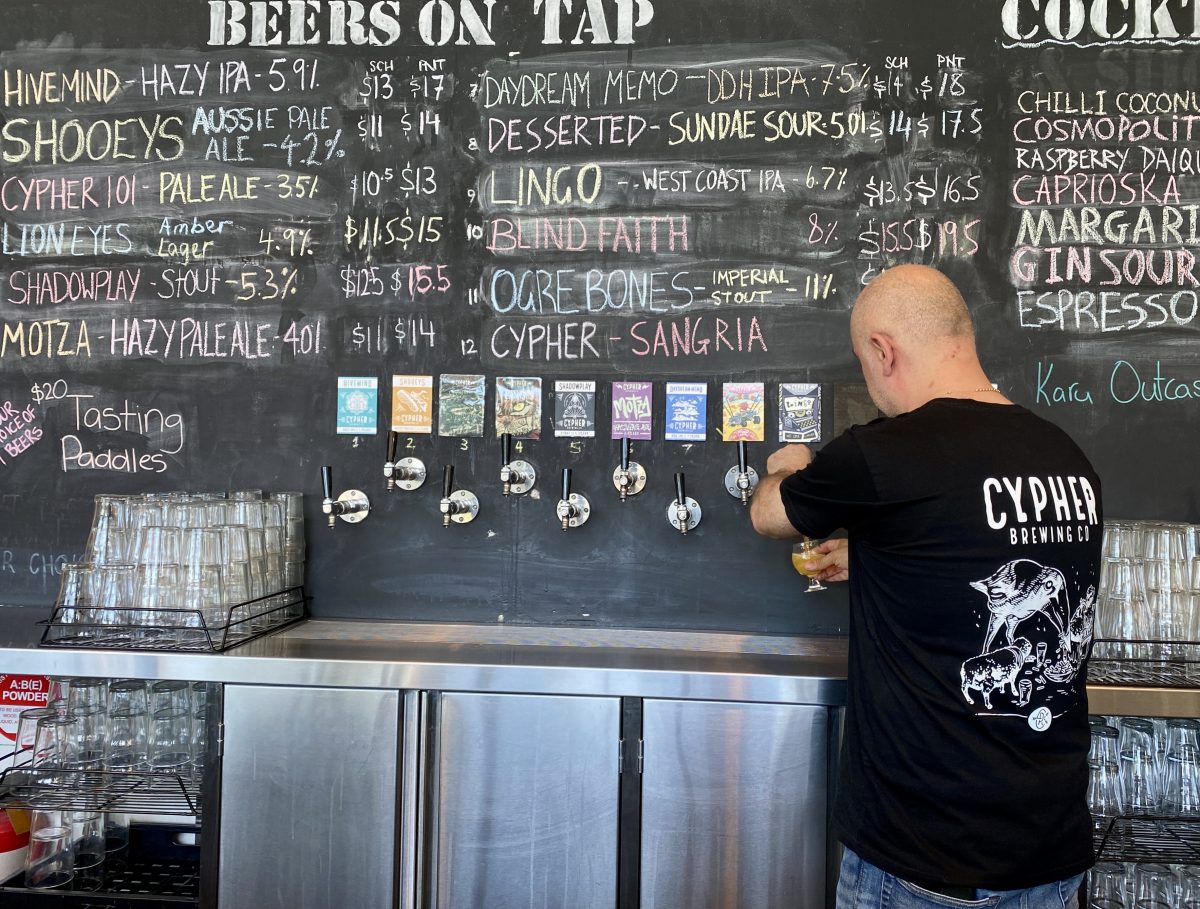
(516, 659)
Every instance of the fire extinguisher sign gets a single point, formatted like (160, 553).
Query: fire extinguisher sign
(17, 693)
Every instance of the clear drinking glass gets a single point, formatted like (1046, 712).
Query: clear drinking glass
(1106, 886)
(1189, 886)
(1153, 886)
(87, 838)
(202, 595)
(1181, 775)
(87, 695)
(202, 547)
(72, 606)
(50, 861)
(253, 514)
(116, 832)
(56, 743)
(1122, 539)
(1162, 540)
(26, 735)
(1105, 797)
(158, 545)
(127, 725)
(801, 552)
(1139, 770)
(235, 590)
(60, 690)
(113, 588)
(235, 543)
(170, 724)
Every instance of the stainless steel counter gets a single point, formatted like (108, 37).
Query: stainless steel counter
(520, 659)
(527, 660)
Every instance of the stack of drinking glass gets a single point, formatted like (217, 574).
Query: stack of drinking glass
(78, 757)
(1125, 885)
(1142, 766)
(184, 570)
(1149, 604)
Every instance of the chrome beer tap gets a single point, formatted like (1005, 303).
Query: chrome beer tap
(573, 509)
(457, 505)
(683, 513)
(352, 506)
(407, 473)
(741, 479)
(516, 477)
(629, 477)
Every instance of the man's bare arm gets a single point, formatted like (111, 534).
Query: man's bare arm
(766, 507)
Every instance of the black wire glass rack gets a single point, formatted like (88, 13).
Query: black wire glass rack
(104, 628)
(1148, 838)
(1157, 664)
(122, 791)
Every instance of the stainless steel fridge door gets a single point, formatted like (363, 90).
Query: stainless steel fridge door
(308, 798)
(526, 795)
(733, 805)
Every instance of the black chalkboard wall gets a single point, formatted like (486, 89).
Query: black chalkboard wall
(212, 211)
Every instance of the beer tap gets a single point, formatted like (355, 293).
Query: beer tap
(517, 477)
(573, 509)
(407, 473)
(457, 505)
(741, 480)
(629, 477)
(352, 506)
(683, 513)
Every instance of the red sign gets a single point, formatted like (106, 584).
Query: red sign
(17, 693)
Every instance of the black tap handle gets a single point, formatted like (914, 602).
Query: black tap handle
(741, 457)
(566, 490)
(393, 438)
(680, 494)
(625, 446)
(447, 480)
(327, 481)
(505, 449)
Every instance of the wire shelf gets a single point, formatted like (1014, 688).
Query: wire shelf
(1168, 840)
(106, 628)
(121, 791)
(154, 870)
(1157, 664)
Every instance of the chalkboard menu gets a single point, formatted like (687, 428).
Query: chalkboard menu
(242, 239)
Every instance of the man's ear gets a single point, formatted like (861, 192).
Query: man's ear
(883, 351)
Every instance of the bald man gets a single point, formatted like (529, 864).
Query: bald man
(972, 552)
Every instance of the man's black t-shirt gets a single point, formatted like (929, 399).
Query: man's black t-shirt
(975, 533)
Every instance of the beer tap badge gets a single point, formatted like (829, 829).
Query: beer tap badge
(744, 410)
(799, 412)
(632, 410)
(574, 410)
(519, 407)
(461, 402)
(687, 411)
(412, 404)
(357, 400)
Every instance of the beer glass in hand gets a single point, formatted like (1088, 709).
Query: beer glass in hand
(801, 552)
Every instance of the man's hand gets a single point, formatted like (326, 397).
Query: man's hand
(833, 561)
(789, 459)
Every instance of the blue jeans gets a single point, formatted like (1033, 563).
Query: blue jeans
(863, 886)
